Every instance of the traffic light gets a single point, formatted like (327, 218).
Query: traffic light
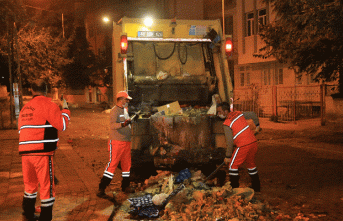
(228, 47)
(123, 44)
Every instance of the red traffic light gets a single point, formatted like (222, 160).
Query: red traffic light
(123, 44)
(228, 47)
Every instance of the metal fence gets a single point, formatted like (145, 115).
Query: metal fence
(284, 103)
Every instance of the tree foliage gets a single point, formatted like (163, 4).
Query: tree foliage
(77, 74)
(42, 55)
(308, 35)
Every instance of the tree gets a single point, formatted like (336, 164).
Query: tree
(308, 35)
(42, 55)
(77, 74)
(40, 52)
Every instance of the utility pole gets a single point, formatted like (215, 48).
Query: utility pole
(9, 42)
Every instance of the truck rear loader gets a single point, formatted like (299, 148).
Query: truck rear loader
(179, 62)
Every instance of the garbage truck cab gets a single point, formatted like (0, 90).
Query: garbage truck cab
(168, 61)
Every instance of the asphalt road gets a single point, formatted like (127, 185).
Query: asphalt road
(303, 173)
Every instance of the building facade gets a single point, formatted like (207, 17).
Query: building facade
(264, 85)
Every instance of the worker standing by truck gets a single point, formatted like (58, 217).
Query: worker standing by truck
(39, 122)
(119, 145)
(237, 132)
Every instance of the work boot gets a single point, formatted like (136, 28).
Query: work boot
(221, 175)
(255, 183)
(101, 193)
(46, 213)
(104, 182)
(125, 183)
(29, 208)
(234, 181)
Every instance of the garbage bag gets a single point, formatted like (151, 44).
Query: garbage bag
(183, 175)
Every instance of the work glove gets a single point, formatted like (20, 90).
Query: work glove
(64, 104)
(127, 122)
(257, 130)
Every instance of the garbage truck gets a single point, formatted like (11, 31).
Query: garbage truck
(180, 65)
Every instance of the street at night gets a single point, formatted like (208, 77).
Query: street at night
(222, 110)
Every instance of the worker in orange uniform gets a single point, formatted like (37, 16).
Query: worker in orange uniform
(119, 144)
(237, 132)
(38, 124)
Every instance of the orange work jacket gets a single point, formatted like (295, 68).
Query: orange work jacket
(38, 124)
(242, 135)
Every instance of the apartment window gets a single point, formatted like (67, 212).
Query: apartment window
(242, 79)
(262, 18)
(279, 76)
(250, 24)
(266, 77)
(248, 79)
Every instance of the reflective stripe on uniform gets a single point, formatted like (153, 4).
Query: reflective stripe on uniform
(108, 174)
(240, 132)
(109, 162)
(35, 126)
(233, 160)
(64, 121)
(125, 174)
(235, 120)
(65, 114)
(38, 141)
(252, 171)
(30, 195)
(48, 202)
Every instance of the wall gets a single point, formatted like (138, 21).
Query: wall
(334, 108)
(186, 9)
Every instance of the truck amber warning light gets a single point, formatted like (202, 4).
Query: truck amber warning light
(123, 44)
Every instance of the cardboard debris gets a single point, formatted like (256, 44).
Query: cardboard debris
(170, 109)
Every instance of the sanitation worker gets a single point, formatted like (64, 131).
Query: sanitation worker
(237, 132)
(38, 124)
(119, 145)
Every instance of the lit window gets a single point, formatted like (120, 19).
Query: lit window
(250, 24)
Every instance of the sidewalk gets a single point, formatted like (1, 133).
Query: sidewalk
(75, 193)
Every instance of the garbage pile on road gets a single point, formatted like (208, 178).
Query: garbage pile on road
(184, 196)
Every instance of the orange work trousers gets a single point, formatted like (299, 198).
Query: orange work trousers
(245, 155)
(39, 170)
(120, 151)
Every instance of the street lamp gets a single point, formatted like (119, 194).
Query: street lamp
(106, 19)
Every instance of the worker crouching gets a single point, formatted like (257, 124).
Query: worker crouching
(237, 132)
